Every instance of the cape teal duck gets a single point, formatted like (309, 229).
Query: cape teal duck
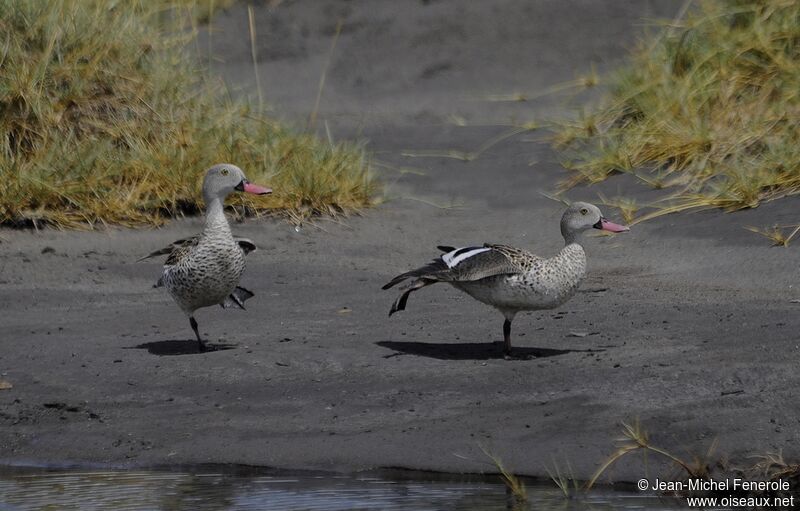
(204, 270)
(511, 279)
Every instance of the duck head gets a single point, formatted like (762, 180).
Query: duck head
(223, 179)
(581, 216)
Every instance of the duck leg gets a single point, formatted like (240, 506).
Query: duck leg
(200, 345)
(507, 337)
(509, 314)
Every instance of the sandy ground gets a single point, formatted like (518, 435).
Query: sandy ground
(686, 323)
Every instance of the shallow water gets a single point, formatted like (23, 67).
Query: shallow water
(24, 489)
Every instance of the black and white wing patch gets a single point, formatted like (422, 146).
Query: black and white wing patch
(454, 256)
(475, 263)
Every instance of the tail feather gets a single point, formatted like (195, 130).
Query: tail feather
(237, 298)
(400, 278)
(400, 303)
(429, 270)
(445, 248)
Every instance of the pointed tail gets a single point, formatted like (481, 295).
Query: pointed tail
(428, 271)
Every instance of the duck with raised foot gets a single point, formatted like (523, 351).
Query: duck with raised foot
(204, 270)
(511, 279)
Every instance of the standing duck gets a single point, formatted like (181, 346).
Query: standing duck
(204, 270)
(511, 279)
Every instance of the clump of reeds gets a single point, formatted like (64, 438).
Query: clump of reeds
(104, 118)
(708, 110)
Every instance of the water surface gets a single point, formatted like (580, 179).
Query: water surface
(205, 489)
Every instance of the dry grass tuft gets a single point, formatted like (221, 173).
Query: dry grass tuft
(772, 466)
(565, 481)
(512, 482)
(711, 106)
(777, 234)
(104, 118)
(635, 438)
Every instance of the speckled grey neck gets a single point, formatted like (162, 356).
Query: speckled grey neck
(215, 218)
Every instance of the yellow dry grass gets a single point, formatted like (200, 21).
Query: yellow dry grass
(104, 118)
(707, 112)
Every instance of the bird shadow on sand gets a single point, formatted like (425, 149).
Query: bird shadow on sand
(471, 350)
(180, 347)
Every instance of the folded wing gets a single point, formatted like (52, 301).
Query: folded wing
(460, 265)
(464, 264)
(177, 249)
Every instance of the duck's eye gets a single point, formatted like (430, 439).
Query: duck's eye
(224, 172)
(584, 211)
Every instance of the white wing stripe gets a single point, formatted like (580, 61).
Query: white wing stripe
(452, 260)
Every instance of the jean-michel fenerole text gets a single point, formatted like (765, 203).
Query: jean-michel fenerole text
(733, 485)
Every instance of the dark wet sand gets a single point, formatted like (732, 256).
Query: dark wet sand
(689, 319)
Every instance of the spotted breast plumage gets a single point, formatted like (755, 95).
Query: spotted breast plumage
(205, 270)
(511, 279)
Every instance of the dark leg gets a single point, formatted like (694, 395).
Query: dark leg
(200, 345)
(507, 337)
(400, 303)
